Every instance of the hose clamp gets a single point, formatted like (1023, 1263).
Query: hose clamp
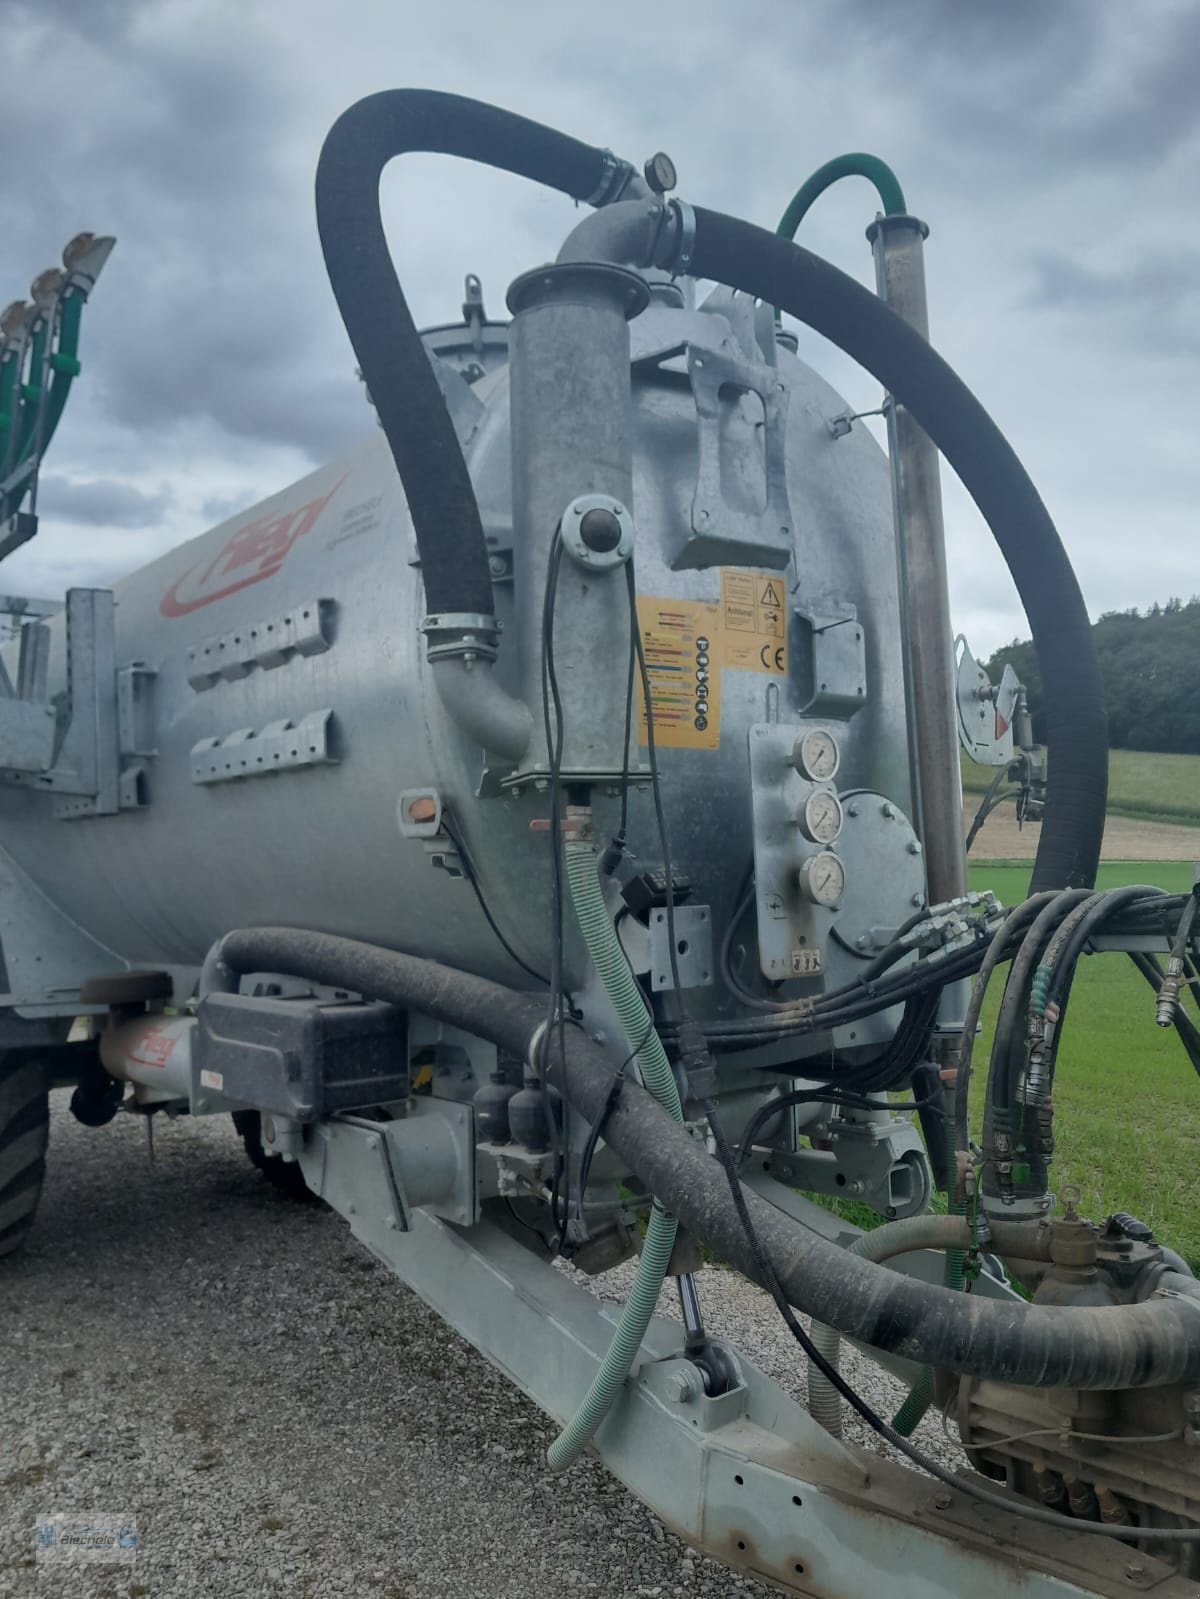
(680, 239)
(614, 178)
(471, 635)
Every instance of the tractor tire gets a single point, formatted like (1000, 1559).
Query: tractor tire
(24, 1134)
(283, 1175)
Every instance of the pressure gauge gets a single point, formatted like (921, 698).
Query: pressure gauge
(821, 818)
(823, 878)
(815, 755)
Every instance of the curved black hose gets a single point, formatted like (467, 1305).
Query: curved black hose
(784, 274)
(1122, 1346)
(391, 357)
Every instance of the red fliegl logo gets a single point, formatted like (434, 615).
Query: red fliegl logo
(253, 553)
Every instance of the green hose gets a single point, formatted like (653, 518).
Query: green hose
(854, 165)
(609, 960)
(920, 1395)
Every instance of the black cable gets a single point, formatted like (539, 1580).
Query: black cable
(555, 1018)
(472, 877)
(765, 1273)
(829, 1094)
(596, 1131)
(655, 787)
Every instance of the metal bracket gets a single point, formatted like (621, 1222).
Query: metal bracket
(304, 630)
(278, 747)
(87, 768)
(693, 947)
(741, 513)
(836, 665)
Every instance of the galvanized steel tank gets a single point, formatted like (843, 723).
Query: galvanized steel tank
(298, 622)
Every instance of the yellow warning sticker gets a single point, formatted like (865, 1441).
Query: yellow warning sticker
(681, 640)
(687, 642)
(754, 622)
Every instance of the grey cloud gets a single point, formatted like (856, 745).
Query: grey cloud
(102, 502)
(214, 357)
(1151, 304)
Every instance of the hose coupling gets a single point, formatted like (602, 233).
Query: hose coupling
(615, 177)
(1168, 994)
(470, 635)
(675, 245)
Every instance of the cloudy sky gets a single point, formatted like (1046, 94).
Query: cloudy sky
(1052, 145)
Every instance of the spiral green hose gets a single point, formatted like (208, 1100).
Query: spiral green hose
(609, 960)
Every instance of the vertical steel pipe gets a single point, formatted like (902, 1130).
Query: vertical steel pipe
(572, 434)
(898, 246)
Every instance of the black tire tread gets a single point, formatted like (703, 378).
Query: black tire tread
(24, 1135)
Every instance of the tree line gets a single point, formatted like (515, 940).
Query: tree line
(1150, 661)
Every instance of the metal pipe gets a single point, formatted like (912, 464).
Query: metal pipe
(898, 245)
(153, 1052)
(571, 406)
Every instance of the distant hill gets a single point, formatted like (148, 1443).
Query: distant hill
(1150, 661)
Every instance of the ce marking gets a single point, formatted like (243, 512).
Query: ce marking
(772, 659)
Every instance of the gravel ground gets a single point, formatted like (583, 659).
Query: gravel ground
(283, 1417)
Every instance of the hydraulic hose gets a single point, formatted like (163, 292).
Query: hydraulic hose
(644, 1044)
(1156, 1343)
(856, 164)
(883, 1244)
(390, 354)
(708, 244)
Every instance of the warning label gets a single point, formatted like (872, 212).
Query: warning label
(687, 642)
(754, 621)
(681, 640)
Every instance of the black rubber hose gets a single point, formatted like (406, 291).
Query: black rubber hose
(390, 354)
(1121, 1346)
(783, 274)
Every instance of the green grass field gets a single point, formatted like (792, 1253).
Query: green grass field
(1127, 1102)
(1152, 788)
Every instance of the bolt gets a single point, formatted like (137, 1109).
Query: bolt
(943, 1501)
(373, 1141)
(914, 848)
(851, 810)
(497, 565)
(889, 810)
(918, 900)
(680, 1386)
(1135, 1568)
(862, 941)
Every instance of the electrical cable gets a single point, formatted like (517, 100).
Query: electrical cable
(555, 1017)
(829, 1094)
(655, 787)
(596, 1131)
(472, 877)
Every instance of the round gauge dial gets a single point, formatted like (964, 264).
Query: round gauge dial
(821, 818)
(824, 877)
(816, 756)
